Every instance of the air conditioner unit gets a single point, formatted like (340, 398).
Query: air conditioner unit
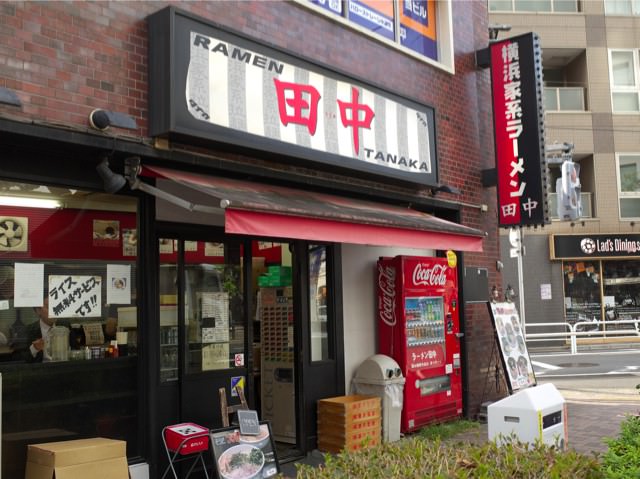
(14, 233)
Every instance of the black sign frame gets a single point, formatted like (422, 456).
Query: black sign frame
(169, 117)
(520, 161)
(225, 439)
(595, 246)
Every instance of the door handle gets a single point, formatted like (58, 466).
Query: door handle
(459, 335)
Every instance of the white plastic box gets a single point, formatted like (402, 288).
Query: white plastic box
(535, 413)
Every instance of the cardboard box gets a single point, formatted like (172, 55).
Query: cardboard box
(97, 458)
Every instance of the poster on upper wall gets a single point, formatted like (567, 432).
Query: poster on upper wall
(106, 233)
(515, 357)
(73, 296)
(418, 27)
(129, 242)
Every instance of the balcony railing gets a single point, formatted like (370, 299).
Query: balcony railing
(585, 198)
(564, 99)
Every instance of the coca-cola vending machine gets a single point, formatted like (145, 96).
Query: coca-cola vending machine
(418, 326)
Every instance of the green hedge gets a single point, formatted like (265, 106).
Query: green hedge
(417, 457)
(622, 459)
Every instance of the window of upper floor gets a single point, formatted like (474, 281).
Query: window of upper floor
(628, 170)
(552, 6)
(421, 28)
(622, 7)
(623, 78)
(565, 79)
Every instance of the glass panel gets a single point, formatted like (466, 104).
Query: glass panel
(622, 68)
(617, 7)
(565, 6)
(622, 291)
(274, 313)
(571, 99)
(500, 6)
(375, 15)
(214, 327)
(318, 303)
(629, 207)
(168, 309)
(550, 99)
(582, 290)
(636, 7)
(629, 167)
(67, 290)
(425, 331)
(334, 6)
(532, 5)
(625, 102)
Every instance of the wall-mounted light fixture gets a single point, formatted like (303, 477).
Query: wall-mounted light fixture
(9, 97)
(29, 202)
(495, 294)
(509, 293)
(112, 181)
(495, 29)
(445, 189)
(103, 119)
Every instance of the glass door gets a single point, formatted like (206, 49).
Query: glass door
(202, 325)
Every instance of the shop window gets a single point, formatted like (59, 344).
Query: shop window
(68, 347)
(621, 290)
(629, 185)
(623, 77)
(559, 6)
(422, 27)
(582, 297)
(621, 7)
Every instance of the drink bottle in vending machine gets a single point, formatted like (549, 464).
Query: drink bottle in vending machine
(418, 326)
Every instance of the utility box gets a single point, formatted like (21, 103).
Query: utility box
(538, 413)
(381, 376)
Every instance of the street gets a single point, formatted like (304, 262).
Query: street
(609, 376)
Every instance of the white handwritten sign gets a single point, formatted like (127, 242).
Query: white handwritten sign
(75, 296)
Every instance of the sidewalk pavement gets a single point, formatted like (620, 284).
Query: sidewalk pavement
(593, 416)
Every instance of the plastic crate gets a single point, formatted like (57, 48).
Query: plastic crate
(349, 422)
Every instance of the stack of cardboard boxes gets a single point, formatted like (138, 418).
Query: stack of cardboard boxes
(95, 458)
(349, 423)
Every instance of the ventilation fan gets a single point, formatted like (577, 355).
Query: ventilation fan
(13, 233)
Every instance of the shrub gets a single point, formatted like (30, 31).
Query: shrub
(416, 457)
(622, 459)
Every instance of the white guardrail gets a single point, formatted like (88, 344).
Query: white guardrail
(583, 329)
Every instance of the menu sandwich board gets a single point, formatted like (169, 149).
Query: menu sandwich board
(513, 348)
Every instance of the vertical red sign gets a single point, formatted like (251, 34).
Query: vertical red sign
(516, 77)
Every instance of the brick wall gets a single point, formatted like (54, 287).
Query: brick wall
(65, 59)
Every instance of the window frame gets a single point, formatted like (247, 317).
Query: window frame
(624, 89)
(553, 10)
(627, 194)
(634, 8)
(444, 25)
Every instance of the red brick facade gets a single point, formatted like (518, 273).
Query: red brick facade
(65, 59)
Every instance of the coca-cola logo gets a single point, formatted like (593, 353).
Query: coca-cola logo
(434, 276)
(387, 296)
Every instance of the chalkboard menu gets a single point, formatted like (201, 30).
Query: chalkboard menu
(244, 456)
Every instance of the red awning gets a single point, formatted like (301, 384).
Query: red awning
(274, 211)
